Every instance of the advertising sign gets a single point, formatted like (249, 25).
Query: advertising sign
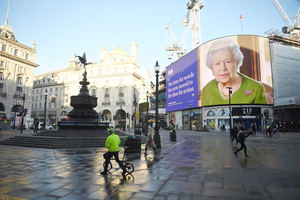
(244, 111)
(240, 62)
(182, 84)
(202, 77)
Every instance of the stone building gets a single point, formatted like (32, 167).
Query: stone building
(17, 65)
(117, 80)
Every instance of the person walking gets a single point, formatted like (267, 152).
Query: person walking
(269, 129)
(35, 125)
(222, 128)
(253, 127)
(112, 144)
(150, 143)
(242, 138)
(234, 133)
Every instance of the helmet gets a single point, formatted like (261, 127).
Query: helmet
(111, 130)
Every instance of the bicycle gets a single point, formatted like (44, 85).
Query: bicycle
(128, 165)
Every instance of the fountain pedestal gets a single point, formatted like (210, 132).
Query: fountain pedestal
(83, 116)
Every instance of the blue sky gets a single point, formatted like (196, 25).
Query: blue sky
(61, 28)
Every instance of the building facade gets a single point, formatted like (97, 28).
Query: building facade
(117, 80)
(17, 65)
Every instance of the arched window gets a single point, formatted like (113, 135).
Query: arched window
(211, 113)
(223, 112)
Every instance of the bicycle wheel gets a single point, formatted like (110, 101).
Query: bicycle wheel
(109, 166)
(129, 168)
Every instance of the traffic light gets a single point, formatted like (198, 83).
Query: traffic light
(26, 110)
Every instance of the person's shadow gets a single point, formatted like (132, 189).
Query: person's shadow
(150, 159)
(243, 162)
(111, 184)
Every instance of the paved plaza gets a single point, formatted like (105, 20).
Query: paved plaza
(200, 165)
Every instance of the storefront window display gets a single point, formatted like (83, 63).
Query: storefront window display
(194, 116)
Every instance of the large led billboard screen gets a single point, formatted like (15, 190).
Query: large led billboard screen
(240, 62)
(182, 83)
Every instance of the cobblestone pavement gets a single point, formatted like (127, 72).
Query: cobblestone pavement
(200, 165)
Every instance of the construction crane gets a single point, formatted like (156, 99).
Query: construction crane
(292, 28)
(192, 23)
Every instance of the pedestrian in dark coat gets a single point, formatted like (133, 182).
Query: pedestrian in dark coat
(242, 135)
(35, 125)
(234, 133)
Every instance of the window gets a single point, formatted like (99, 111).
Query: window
(26, 56)
(19, 89)
(106, 92)
(16, 52)
(106, 95)
(1, 87)
(19, 92)
(1, 75)
(20, 69)
(223, 112)
(2, 63)
(121, 92)
(3, 47)
(211, 113)
(19, 80)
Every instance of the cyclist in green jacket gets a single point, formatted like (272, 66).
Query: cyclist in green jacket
(112, 144)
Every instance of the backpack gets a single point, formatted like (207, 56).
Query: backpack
(240, 136)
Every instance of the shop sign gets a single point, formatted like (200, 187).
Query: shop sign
(246, 111)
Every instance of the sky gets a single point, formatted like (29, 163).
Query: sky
(61, 28)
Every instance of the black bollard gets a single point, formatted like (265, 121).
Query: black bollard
(173, 135)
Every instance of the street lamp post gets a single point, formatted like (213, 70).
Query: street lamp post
(147, 112)
(23, 113)
(156, 136)
(134, 104)
(45, 110)
(14, 126)
(190, 105)
(230, 92)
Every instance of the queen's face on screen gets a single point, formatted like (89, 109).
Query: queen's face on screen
(223, 65)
